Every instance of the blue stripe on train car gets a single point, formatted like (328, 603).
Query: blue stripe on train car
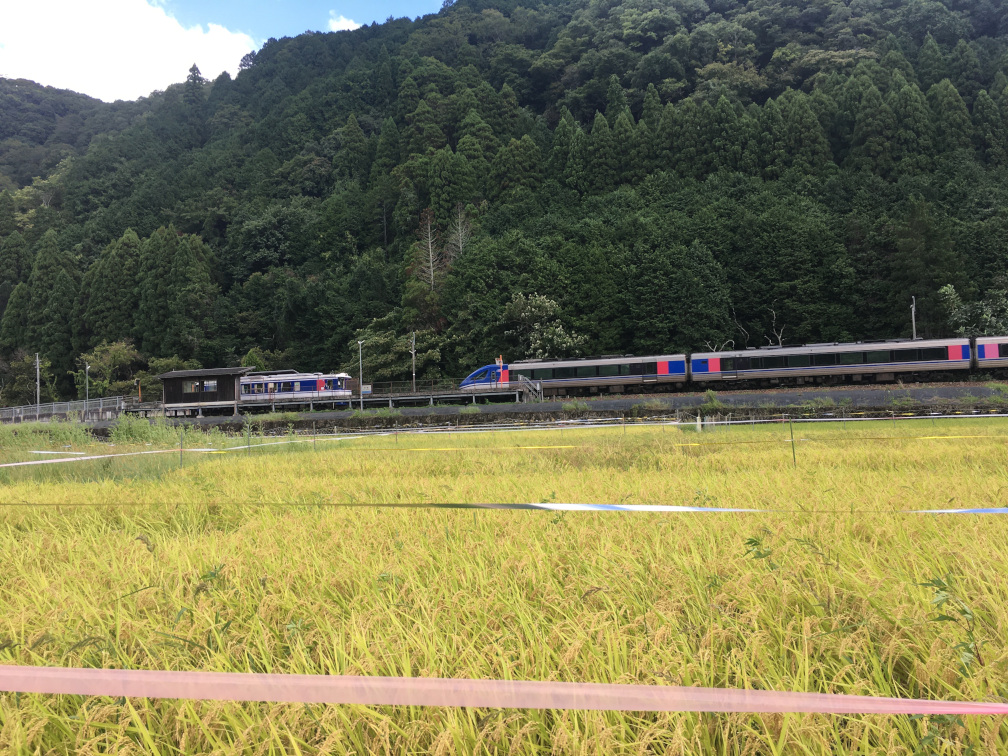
(677, 367)
(700, 366)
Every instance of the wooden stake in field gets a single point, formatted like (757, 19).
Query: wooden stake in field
(794, 457)
(181, 436)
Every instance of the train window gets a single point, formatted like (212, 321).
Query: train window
(525, 373)
(210, 385)
(1002, 350)
(755, 363)
(878, 356)
(773, 362)
(741, 363)
(542, 374)
(905, 355)
(565, 372)
(637, 368)
(934, 353)
(258, 388)
(587, 371)
(607, 370)
(246, 389)
(286, 387)
(650, 368)
(624, 370)
(823, 360)
(727, 364)
(190, 387)
(797, 360)
(850, 358)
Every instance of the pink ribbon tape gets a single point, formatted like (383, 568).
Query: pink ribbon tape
(426, 691)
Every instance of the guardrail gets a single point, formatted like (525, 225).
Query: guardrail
(103, 408)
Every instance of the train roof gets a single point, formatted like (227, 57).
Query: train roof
(290, 374)
(608, 360)
(849, 346)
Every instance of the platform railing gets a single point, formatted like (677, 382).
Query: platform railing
(102, 408)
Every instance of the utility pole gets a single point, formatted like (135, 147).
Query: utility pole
(413, 352)
(37, 387)
(913, 315)
(87, 388)
(360, 365)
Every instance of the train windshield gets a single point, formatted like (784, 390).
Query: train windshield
(480, 376)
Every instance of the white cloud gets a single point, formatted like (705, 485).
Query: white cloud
(341, 23)
(110, 49)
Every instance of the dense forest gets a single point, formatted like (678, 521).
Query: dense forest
(550, 177)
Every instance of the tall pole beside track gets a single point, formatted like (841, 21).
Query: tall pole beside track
(413, 352)
(913, 316)
(360, 365)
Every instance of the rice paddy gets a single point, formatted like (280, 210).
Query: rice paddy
(281, 555)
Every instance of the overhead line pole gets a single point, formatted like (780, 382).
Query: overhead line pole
(360, 366)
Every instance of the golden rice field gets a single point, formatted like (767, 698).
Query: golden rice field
(275, 558)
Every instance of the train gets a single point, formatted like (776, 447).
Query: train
(290, 387)
(868, 361)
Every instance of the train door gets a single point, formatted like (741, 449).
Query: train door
(729, 367)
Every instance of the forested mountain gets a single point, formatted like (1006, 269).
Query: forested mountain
(547, 177)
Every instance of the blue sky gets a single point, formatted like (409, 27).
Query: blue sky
(262, 19)
(125, 49)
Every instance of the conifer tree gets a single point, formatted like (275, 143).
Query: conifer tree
(873, 131)
(616, 102)
(50, 261)
(952, 125)
(643, 159)
(651, 112)
(724, 137)
(964, 71)
(408, 100)
(55, 332)
(190, 298)
(666, 146)
(624, 139)
(601, 155)
(991, 130)
(688, 139)
(450, 181)
(774, 158)
(913, 139)
(562, 137)
(14, 325)
(576, 172)
(15, 265)
(352, 159)
(425, 135)
(109, 293)
(474, 126)
(803, 137)
(154, 307)
(931, 66)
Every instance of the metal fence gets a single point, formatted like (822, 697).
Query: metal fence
(104, 408)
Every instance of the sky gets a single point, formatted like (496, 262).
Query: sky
(125, 49)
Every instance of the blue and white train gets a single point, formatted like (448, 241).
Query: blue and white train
(875, 361)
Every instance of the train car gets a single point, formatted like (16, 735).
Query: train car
(588, 375)
(289, 387)
(822, 362)
(991, 352)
